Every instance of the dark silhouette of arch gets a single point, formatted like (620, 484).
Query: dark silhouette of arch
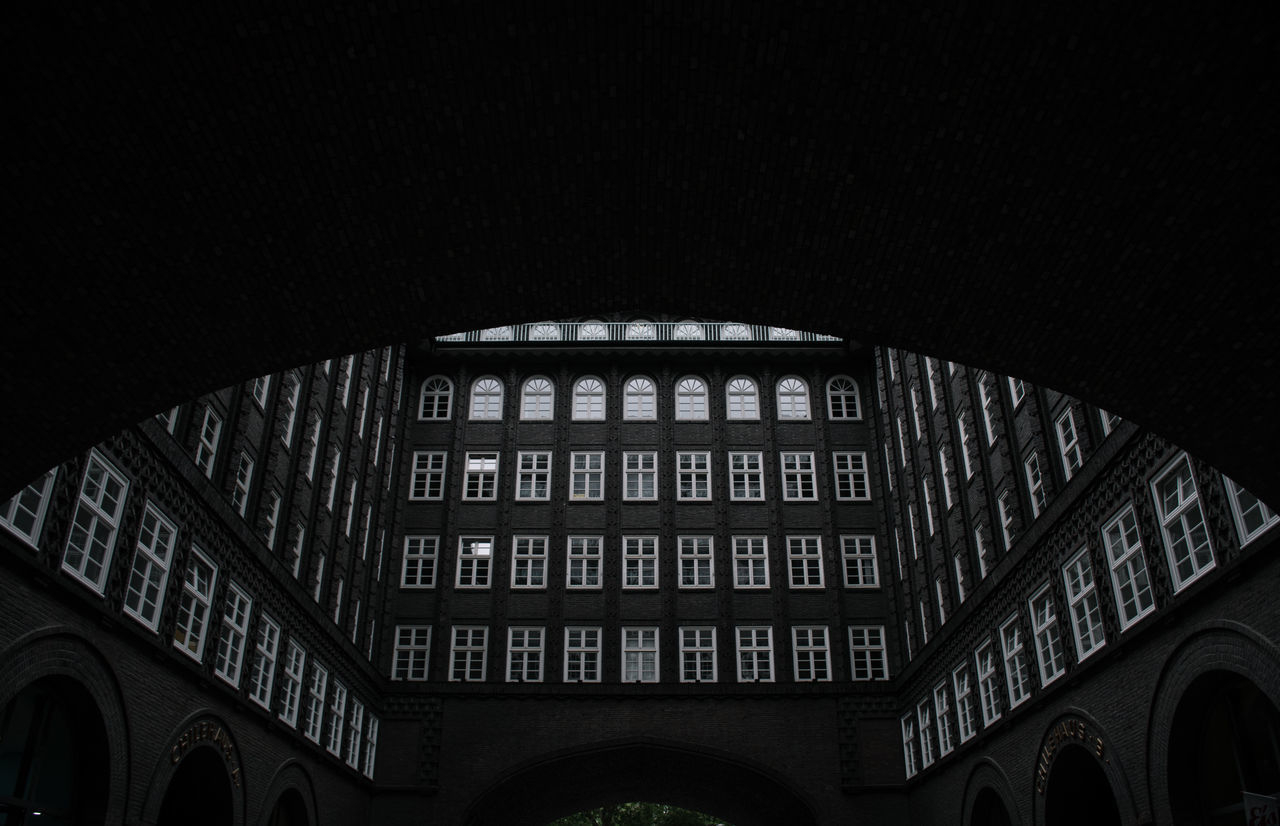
(741, 794)
(290, 810)
(199, 793)
(53, 754)
(1077, 791)
(989, 810)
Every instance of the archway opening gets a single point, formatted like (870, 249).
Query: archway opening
(1225, 741)
(290, 810)
(199, 793)
(54, 764)
(989, 810)
(731, 791)
(1078, 791)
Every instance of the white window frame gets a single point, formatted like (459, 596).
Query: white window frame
(1186, 516)
(418, 566)
(370, 746)
(537, 399)
(272, 519)
(1004, 506)
(1247, 510)
(1069, 443)
(746, 476)
(487, 395)
(23, 514)
(266, 652)
(792, 398)
(811, 653)
(582, 654)
(291, 409)
(232, 639)
(1017, 670)
(243, 481)
(639, 563)
(1017, 391)
(640, 654)
(962, 685)
(841, 390)
(1035, 485)
(924, 720)
(526, 657)
(930, 370)
(944, 469)
(475, 562)
(691, 400)
(640, 399)
(640, 476)
(585, 553)
(742, 399)
(318, 582)
(697, 653)
(533, 475)
(942, 714)
(1130, 580)
(149, 575)
(426, 481)
(868, 660)
(586, 476)
(435, 389)
(958, 563)
(804, 562)
(295, 664)
(334, 471)
(1084, 605)
(989, 701)
(928, 503)
(697, 562)
(987, 398)
(261, 387)
(964, 445)
(465, 653)
(337, 715)
(352, 743)
(917, 419)
(529, 562)
(480, 476)
(852, 479)
(194, 605)
(589, 399)
(799, 476)
(859, 563)
(693, 476)
(411, 656)
(754, 653)
(984, 551)
(909, 744)
(750, 556)
(1050, 656)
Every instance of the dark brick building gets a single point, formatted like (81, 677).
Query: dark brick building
(498, 576)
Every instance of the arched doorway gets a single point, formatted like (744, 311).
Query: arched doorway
(290, 810)
(1225, 740)
(1078, 791)
(54, 765)
(989, 810)
(662, 773)
(199, 793)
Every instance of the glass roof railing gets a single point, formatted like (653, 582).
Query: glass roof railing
(638, 331)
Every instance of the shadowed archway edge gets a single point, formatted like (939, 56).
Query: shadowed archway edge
(1079, 198)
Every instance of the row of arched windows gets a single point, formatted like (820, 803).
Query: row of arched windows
(640, 398)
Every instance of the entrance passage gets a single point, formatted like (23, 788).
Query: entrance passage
(289, 810)
(1078, 791)
(989, 810)
(199, 793)
(733, 792)
(53, 756)
(1225, 741)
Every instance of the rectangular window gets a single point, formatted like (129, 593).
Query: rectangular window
(235, 631)
(169, 418)
(335, 465)
(290, 397)
(427, 480)
(888, 468)
(902, 444)
(929, 369)
(144, 596)
(207, 444)
(755, 654)
(987, 396)
(24, 514)
(313, 448)
(481, 481)
(1069, 443)
(337, 600)
(291, 691)
(1044, 625)
(859, 556)
(957, 562)
(263, 672)
(798, 479)
(583, 570)
(984, 550)
(1186, 536)
(345, 372)
(640, 475)
(318, 584)
(639, 562)
(419, 567)
(1017, 391)
(1035, 485)
(697, 654)
(928, 503)
(337, 713)
(524, 655)
(750, 562)
(1110, 421)
(317, 689)
(804, 561)
(911, 531)
(272, 519)
(940, 590)
(587, 476)
(412, 652)
(968, 725)
(1004, 504)
(984, 659)
(1252, 516)
(475, 559)
(851, 476)
(924, 623)
(964, 446)
(1017, 670)
(244, 478)
(352, 747)
(640, 655)
(942, 713)
(909, 744)
(907, 636)
(1082, 599)
(924, 718)
(92, 538)
(581, 655)
(867, 653)
(693, 476)
(370, 746)
(746, 478)
(917, 417)
(193, 607)
(812, 653)
(529, 562)
(944, 467)
(1134, 596)
(467, 656)
(697, 568)
(351, 508)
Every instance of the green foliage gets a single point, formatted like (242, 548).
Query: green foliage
(638, 814)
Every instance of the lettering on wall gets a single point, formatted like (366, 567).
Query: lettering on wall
(1073, 730)
(208, 731)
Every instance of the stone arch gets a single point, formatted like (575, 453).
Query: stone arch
(659, 771)
(290, 779)
(207, 737)
(987, 786)
(1219, 647)
(1076, 729)
(59, 652)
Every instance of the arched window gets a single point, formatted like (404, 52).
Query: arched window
(437, 398)
(588, 399)
(640, 330)
(537, 399)
(486, 398)
(592, 330)
(742, 398)
(782, 334)
(842, 398)
(691, 398)
(688, 331)
(544, 331)
(734, 331)
(793, 398)
(502, 333)
(641, 399)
